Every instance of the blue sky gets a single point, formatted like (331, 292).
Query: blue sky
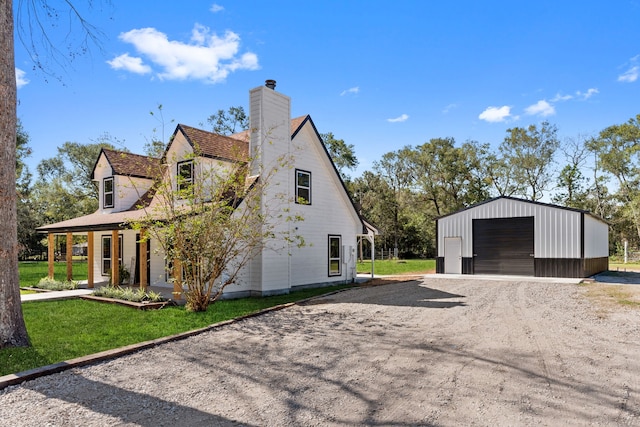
(380, 75)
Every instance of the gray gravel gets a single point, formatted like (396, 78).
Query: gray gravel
(438, 352)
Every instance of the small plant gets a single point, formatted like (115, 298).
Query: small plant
(123, 275)
(128, 294)
(56, 285)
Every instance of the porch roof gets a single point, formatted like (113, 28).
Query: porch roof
(96, 221)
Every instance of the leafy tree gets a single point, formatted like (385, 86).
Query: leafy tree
(618, 150)
(571, 180)
(394, 171)
(342, 154)
(229, 122)
(28, 239)
(448, 176)
(215, 224)
(530, 152)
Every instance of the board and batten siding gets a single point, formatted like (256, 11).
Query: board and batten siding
(557, 231)
(329, 213)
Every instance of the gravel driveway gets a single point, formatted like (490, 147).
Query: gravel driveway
(432, 352)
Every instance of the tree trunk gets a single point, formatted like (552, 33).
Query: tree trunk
(13, 332)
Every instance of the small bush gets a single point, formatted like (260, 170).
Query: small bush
(128, 294)
(56, 285)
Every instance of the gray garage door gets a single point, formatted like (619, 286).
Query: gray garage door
(503, 246)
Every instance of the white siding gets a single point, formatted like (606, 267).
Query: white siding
(596, 238)
(329, 213)
(556, 231)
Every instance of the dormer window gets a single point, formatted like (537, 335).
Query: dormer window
(107, 192)
(303, 187)
(185, 176)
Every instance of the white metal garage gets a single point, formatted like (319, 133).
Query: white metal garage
(508, 236)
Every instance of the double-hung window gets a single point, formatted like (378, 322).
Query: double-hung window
(185, 176)
(303, 187)
(107, 192)
(335, 255)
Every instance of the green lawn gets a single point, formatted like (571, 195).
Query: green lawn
(62, 330)
(32, 271)
(387, 267)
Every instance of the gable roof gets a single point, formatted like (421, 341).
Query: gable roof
(533, 202)
(213, 145)
(128, 164)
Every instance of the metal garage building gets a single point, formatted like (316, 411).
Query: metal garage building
(509, 236)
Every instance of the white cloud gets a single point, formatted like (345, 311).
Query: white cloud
(541, 108)
(353, 90)
(215, 8)
(206, 56)
(496, 114)
(21, 79)
(559, 97)
(630, 76)
(588, 94)
(449, 108)
(129, 63)
(402, 118)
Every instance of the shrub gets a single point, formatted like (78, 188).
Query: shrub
(56, 285)
(128, 294)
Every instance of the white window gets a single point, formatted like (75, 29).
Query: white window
(335, 255)
(303, 187)
(185, 176)
(107, 192)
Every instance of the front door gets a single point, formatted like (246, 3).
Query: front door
(453, 255)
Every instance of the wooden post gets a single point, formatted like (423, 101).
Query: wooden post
(69, 256)
(177, 279)
(90, 261)
(51, 254)
(143, 260)
(115, 258)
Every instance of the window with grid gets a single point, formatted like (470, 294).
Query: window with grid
(185, 176)
(107, 192)
(335, 255)
(303, 187)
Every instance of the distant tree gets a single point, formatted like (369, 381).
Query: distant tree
(393, 168)
(571, 190)
(530, 153)
(229, 122)
(64, 188)
(618, 150)
(28, 239)
(156, 145)
(342, 154)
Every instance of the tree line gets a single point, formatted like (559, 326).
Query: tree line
(406, 189)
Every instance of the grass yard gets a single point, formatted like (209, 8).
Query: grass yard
(32, 271)
(62, 330)
(391, 267)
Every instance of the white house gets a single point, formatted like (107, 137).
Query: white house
(331, 222)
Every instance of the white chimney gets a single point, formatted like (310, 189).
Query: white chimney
(270, 117)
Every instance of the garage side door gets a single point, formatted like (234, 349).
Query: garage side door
(503, 246)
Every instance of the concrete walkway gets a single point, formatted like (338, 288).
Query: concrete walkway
(40, 296)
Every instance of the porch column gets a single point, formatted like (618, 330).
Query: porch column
(115, 258)
(69, 256)
(177, 279)
(90, 262)
(143, 259)
(51, 254)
